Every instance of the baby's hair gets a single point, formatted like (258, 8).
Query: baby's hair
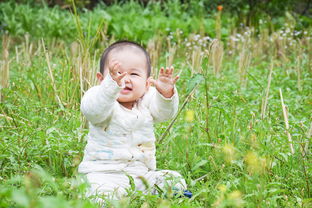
(121, 44)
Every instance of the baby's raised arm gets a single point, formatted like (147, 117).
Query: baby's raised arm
(164, 101)
(98, 102)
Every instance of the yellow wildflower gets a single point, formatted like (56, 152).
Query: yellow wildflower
(189, 115)
(236, 198)
(235, 195)
(222, 188)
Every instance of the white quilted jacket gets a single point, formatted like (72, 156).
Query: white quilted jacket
(119, 136)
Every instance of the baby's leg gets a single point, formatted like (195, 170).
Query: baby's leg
(112, 185)
(163, 179)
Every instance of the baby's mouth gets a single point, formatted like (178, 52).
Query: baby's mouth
(126, 89)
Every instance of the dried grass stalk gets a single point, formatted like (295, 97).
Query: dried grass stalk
(218, 25)
(265, 100)
(216, 54)
(263, 46)
(171, 53)
(5, 64)
(309, 52)
(298, 69)
(84, 66)
(17, 54)
(51, 75)
(285, 113)
(27, 50)
(309, 135)
(154, 47)
(280, 45)
(244, 63)
(196, 60)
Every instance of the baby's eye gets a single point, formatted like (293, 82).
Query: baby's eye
(135, 74)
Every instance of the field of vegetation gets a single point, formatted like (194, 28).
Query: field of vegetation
(242, 136)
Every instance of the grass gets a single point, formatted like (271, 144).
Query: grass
(230, 140)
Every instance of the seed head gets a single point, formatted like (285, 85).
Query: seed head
(229, 152)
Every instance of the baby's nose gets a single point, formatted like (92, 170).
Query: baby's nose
(127, 78)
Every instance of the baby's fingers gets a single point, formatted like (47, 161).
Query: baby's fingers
(175, 79)
(171, 71)
(161, 71)
(115, 68)
(120, 76)
(167, 73)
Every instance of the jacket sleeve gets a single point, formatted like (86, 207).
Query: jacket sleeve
(162, 108)
(98, 102)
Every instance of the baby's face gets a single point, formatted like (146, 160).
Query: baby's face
(132, 61)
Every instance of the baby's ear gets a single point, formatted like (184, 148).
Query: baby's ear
(148, 83)
(99, 77)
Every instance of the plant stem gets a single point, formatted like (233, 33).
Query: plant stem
(175, 118)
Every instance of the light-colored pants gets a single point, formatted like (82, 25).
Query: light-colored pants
(115, 184)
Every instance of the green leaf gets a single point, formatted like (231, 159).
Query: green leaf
(20, 198)
(201, 163)
(195, 80)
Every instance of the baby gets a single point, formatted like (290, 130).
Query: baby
(121, 111)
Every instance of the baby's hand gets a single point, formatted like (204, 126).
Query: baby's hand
(114, 72)
(165, 82)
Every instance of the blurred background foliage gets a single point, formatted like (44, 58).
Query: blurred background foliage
(251, 7)
(270, 7)
(142, 18)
